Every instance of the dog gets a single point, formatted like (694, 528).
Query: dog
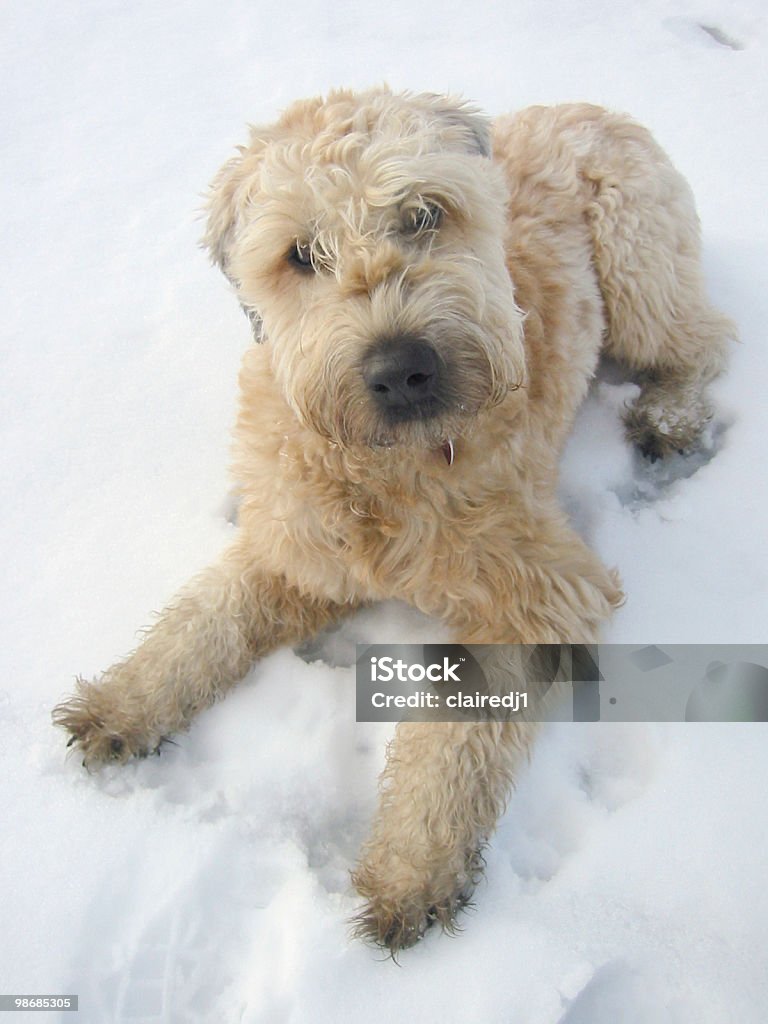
(429, 292)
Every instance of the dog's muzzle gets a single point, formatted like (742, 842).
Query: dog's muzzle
(404, 376)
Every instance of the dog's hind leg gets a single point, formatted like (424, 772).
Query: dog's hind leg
(201, 645)
(647, 254)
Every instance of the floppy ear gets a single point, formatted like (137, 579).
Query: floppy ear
(228, 198)
(229, 194)
(222, 212)
(460, 123)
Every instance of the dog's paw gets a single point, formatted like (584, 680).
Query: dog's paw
(398, 926)
(652, 447)
(402, 904)
(658, 434)
(99, 730)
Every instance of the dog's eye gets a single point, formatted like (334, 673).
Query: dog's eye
(300, 255)
(424, 217)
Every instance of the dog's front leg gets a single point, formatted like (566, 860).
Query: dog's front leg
(443, 789)
(445, 784)
(202, 644)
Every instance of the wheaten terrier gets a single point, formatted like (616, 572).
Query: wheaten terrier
(429, 293)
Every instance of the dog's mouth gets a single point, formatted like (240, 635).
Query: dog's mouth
(445, 450)
(436, 436)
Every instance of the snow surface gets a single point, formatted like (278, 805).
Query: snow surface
(627, 882)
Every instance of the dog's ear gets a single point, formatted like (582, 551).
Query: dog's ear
(221, 207)
(460, 123)
(225, 204)
(229, 195)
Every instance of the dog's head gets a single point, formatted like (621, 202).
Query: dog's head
(364, 236)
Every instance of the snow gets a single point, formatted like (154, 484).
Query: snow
(627, 881)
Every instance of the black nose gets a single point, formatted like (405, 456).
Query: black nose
(402, 374)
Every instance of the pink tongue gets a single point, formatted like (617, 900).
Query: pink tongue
(447, 449)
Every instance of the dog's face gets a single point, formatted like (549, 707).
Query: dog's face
(364, 235)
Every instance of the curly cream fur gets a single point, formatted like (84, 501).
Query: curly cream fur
(574, 234)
